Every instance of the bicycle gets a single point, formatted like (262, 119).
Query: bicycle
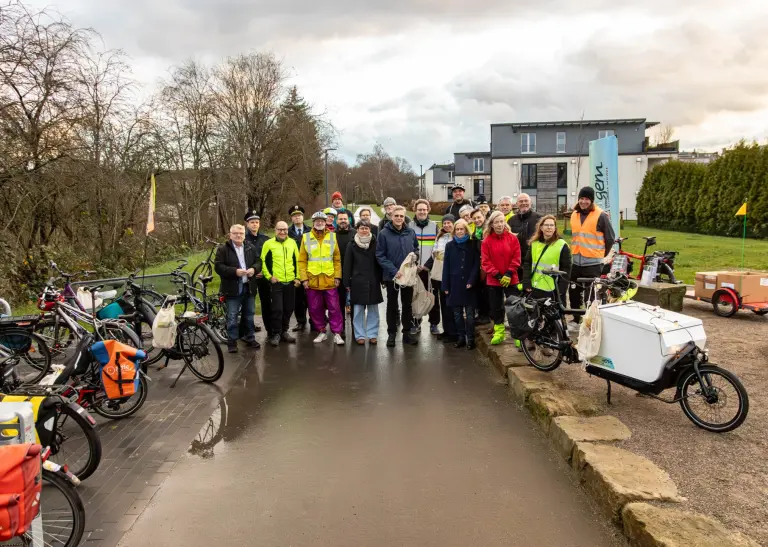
(195, 341)
(702, 389)
(205, 268)
(25, 352)
(666, 260)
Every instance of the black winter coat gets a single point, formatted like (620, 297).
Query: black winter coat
(226, 264)
(461, 267)
(342, 240)
(454, 208)
(525, 227)
(362, 274)
(295, 236)
(257, 240)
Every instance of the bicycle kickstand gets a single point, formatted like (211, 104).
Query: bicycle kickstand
(180, 373)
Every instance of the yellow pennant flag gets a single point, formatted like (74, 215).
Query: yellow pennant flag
(151, 213)
(742, 211)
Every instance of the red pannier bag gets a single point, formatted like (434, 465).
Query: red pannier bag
(20, 487)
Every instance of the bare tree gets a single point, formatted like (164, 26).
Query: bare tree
(664, 134)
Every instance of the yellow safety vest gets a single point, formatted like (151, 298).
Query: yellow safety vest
(320, 253)
(550, 260)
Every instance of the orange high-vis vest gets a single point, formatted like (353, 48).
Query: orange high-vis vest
(587, 242)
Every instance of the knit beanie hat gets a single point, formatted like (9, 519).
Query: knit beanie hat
(337, 195)
(587, 192)
(389, 201)
(449, 218)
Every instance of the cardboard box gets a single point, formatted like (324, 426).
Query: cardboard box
(751, 286)
(706, 284)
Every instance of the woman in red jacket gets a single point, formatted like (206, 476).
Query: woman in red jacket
(500, 259)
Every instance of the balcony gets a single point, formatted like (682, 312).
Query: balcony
(662, 148)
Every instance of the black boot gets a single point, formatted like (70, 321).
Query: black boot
(462, 342)
(409, 339)
(391, 341)
(232, 346)
(274, 340)
(471, 345)
(288, 338)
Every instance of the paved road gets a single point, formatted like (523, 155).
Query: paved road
(369, 446)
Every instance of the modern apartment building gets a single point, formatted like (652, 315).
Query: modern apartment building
(438, 180)
(550, 160)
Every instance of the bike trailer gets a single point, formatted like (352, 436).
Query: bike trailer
(638, 339)
(119, 364)
(20, 487)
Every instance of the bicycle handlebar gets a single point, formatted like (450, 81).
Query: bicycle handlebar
(210, 241)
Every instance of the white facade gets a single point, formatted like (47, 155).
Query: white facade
(632, 170)
(429, 183)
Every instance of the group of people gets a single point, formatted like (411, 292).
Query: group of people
(339, 267)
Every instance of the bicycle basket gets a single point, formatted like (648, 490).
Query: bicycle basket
(522, 314)
(112, 311)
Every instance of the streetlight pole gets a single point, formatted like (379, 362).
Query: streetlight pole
(326, 174)
(421, 181)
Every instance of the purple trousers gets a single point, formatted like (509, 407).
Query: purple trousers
(318, 302)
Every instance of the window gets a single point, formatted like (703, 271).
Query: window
(450, 176)
(562, 203)
(449, 193)
(605, 133)
(528, 143)
(479, 186)
(479, 165)
(561, 142)
(562, 175)
(529, 176)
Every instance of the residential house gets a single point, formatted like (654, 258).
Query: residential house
(698, 157)
(473, 170)
(550, 160)
(438, 181)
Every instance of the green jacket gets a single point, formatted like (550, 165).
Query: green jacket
(279, 260)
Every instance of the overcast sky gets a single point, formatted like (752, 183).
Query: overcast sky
(427, 77)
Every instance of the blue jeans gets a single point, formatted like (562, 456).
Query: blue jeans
(234, 304)
(465, 328)
(366, 328)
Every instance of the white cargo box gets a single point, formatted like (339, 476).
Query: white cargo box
(638, 339)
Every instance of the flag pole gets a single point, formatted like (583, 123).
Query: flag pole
(743, 238)
(150, 224)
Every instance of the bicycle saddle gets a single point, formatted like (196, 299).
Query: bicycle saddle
(206, 279)
(621, 239)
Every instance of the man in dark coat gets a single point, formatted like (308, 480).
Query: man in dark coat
(344, 234)
(523, 224)
(295, 232)
(252, 236)
(238, 264)
(458, 201)
(394, 244)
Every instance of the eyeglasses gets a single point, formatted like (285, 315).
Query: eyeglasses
(281, 229)
(398, 216)
(237, 233)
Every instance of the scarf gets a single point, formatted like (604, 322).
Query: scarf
(461, 239)
(421, 223)
(363, 242)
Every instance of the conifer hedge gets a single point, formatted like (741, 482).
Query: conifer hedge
(691, 197)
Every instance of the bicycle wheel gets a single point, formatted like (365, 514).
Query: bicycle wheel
(116, 409)
(721, 406)
(122, 333)
(62, 513)
(217, 318)
(29, 354)
(58, 337)
(75, 443)
(199, 349)
(538, 351)
(204, 269)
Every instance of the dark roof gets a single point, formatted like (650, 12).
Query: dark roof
(442, 166)
(620, 121)
(472, 153)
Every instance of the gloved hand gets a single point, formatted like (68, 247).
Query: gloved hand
(505, 281)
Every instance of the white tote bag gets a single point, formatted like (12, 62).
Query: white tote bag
(590, 333)
(164, 328)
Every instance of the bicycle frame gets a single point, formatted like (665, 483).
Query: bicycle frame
(642, 258)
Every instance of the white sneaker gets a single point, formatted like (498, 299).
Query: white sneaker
(322, 337)
(337, 339)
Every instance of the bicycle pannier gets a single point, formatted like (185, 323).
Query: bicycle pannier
(522, 314)
(119, 367)
(164, 329)
(590, 332)
(20, 487)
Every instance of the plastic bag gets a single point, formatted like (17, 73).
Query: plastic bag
(409, 270)
(164, 329)
(522, 315)
(423, 300)
(590, 333)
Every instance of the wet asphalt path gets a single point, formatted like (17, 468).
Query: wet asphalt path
(369, 446)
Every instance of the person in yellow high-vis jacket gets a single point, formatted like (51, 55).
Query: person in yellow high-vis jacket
(592, 240)
(279, 258)
(547, 250)
(320, 273)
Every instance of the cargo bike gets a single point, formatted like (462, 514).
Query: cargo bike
(644, 348)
